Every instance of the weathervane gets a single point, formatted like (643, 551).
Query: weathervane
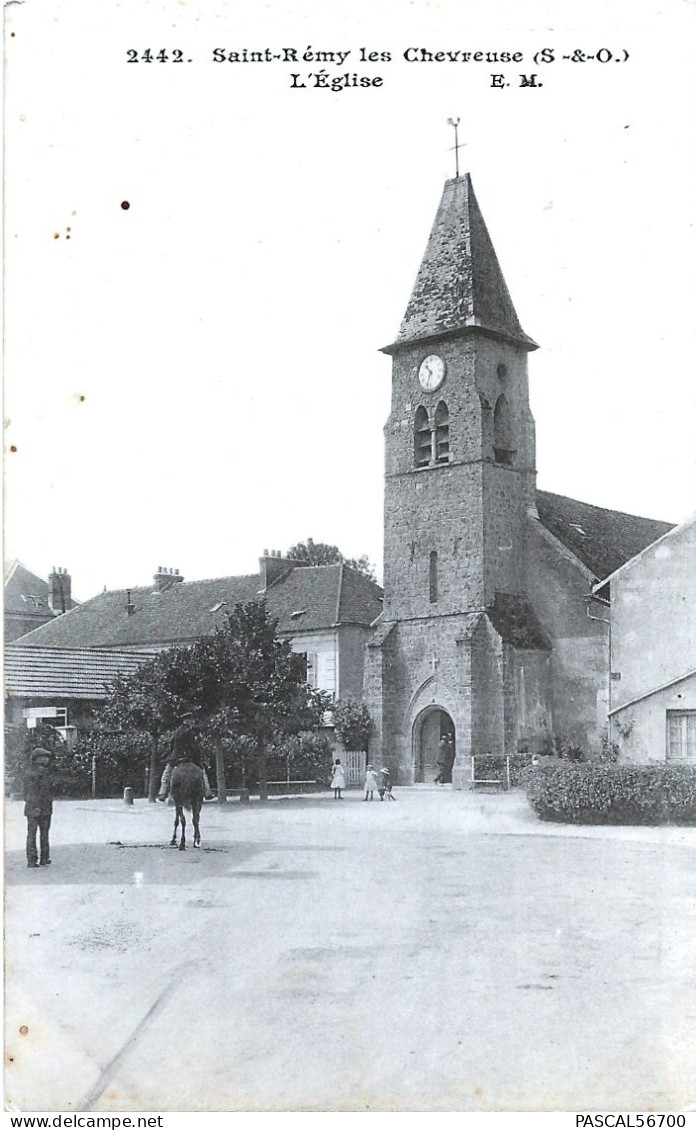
(455, 123)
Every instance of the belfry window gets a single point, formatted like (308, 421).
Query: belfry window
(441, 433)
(502, 431)
(432, 577)
(422, 439)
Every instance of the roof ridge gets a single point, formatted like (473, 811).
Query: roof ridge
(339, 594)
(606, 509)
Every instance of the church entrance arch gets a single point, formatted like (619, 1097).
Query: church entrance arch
(433, 746)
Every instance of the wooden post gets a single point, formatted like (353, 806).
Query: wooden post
(262, 770)
(153, 782)
(220, 772)
(94, 776)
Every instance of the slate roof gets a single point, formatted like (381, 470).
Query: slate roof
(25, 592)
(306, 599)
(460, 284)
(54, 672)
(602, 539)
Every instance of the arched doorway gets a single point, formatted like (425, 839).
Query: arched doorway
(433, 747)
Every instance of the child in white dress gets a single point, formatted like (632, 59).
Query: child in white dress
(371, 783)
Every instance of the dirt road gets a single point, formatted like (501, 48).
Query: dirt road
(445, 952)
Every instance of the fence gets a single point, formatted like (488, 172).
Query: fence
(354, 762)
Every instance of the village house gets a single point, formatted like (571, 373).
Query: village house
(325, 611)
(650, 602)
(488, 636)
(61, 687)
(30, 601)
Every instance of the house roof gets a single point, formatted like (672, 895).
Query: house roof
(306, 599)
(602, 540)
(460, 285)
(55, 672)
(673, 531)
(25, 593)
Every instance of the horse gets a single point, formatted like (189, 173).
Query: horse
(187, 786)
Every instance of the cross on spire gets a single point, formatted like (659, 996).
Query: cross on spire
(454, 122)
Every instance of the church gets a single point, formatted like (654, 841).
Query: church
(492, 633)
(490, 640)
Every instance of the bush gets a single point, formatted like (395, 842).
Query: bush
(121, 760)
(614, 794)
(352, 723)
(492, 766)
(303, 757)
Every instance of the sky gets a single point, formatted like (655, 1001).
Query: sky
(197, 378)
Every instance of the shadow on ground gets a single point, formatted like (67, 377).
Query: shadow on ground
(145, 864)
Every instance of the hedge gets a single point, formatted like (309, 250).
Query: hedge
(492, 765)
(614, 794)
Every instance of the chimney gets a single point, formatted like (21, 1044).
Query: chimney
(59, 583)
(130, 607)
(164, 578)
(272, 566)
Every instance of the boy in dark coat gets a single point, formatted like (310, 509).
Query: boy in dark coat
(38, 806)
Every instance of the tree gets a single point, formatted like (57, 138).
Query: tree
(241, 682)
(146, 701)
(319, 553)
(262, 689)
(353, 724)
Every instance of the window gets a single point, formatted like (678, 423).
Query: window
(681, 735)
(502, 432)
(311, 661)
(432, 577)
(441, 433)
(422, 441)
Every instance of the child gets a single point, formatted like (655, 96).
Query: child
(38, 806)
(338, 779)
(370, 783)
(385, 785)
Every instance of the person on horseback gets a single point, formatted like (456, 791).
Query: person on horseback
(183, 747)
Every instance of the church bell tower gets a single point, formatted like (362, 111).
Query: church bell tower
(460, 450)
(459, 489)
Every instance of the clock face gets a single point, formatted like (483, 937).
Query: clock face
(432, 372)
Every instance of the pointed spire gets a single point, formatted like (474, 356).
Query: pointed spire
(460, 284)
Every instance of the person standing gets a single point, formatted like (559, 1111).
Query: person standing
(371, 784)
(385, 784)
(338, 779)
(38, 807)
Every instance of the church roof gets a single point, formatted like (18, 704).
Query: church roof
(460, 285)
(602, 540)
(69, 673)
(304, 599)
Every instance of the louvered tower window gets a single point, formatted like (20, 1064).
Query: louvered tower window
(422, 440)
(441, 433)
(502, 430)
